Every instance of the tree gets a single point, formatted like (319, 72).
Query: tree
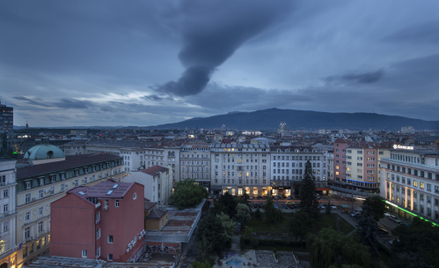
(308, 198)
(187, 194)
(228, 225)
(196, 264)
(243, 214)
(229, 203)
(258, 214)
(300, 225)
(328, 208)
(377, 206)
(367, 230)
(331, 249)
(211, 235)
(418, 244)
(271, 214)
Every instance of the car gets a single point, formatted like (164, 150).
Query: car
(255, 205)
(386, 215)
(290, 203)
(334, 207)
(356, 214)
(289, 198)
(251, 197)
(292, 206)
(275, 206)
(285, 206)
(394, 219)
(323, 207)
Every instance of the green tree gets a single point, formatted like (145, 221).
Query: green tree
(328, 208)
(229, 203)
(218, 208)
(331, 249)
(211, 235)
(367, 230)
(377, 205)
(308, 198)
(243, 214)
(300, 225)
(228, 225)
(187, 194)
(418, 244)
(258, 214)
(196, 264)
(271, 214)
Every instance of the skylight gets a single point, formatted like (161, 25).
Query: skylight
(109, 192)
(115, 186)
(81, 193)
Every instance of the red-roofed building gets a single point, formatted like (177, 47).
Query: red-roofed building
(104, 221)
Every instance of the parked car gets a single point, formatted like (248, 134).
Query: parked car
(275, 206)
(292, 206)
(382, 231)
(356, 214)
(386, 214)
(322, 207)
(251, 197)
(334, 207)
(394, 219)
(285, 206)
(290, 203)
(255, 205)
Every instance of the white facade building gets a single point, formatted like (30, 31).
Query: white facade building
(8, 211)
(240, 168)
(157, 181)
(410, 183)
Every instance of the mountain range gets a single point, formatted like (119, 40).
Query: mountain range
(270, 119)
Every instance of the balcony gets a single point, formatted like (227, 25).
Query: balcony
(28, 239)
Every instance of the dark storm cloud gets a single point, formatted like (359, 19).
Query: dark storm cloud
(30, 101)
(428, 33)
(72, 104)
(364, 77)
(211, 32)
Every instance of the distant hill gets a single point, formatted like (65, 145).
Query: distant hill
(297, 119)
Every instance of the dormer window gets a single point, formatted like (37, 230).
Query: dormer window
(52, 178)
(27, 185)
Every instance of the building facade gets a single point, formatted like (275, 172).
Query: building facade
(45, 179)
(8, 213)
(6, 117)
(288, 165)
(410, 183)
(240, 168)
(107, 220)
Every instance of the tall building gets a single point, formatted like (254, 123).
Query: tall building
(288, 165)
(6, 117)
(410, 183)
(240, 168)
(195, 163)
(46, 174)
(104, 221)
(8, 213)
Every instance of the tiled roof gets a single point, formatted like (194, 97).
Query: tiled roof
(342, 141)
(156, 213)
(103, 190)
(154, 170)
(149, 205)
(71, 162)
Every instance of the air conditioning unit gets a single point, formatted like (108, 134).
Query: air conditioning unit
(47, 191)
(34, 198)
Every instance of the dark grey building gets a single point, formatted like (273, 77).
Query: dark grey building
(6, 117)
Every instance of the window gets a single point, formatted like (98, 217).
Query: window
(6, 226)
(27, 216)
(116, 203)
(27, 185)
(110, 257)
(28, 198)
(110, 239)
(40, 227)
(40, 211)
(98, 252)
(5, 193)
(5, 208)
(27, 233)
(98, 234)
(415, 183)
(134, 198)
(422, 185)
(84, 253)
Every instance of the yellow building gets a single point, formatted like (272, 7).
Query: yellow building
(43, 177)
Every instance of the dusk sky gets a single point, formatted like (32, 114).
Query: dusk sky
(109, 63)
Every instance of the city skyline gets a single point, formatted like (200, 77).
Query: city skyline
(150, 63)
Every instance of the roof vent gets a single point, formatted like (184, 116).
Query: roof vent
(110, 192)
(81, 193)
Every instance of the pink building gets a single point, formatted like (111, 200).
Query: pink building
(104, 221)
(340, 146)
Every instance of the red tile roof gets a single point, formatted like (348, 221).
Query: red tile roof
(103, 190)
(154, 170)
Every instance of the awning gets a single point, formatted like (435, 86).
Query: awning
(323, 189)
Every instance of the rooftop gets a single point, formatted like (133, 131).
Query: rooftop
(156, 213)
(106, 189)
(71, 162)
(154, 170)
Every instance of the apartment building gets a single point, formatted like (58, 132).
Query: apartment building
(7, 213)
(157, 181)
(6, 117)
(410, 183)
(288, 165)
(240, 168)
(107, 219)
(164, 154)
(195, 162)
(46, 176)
